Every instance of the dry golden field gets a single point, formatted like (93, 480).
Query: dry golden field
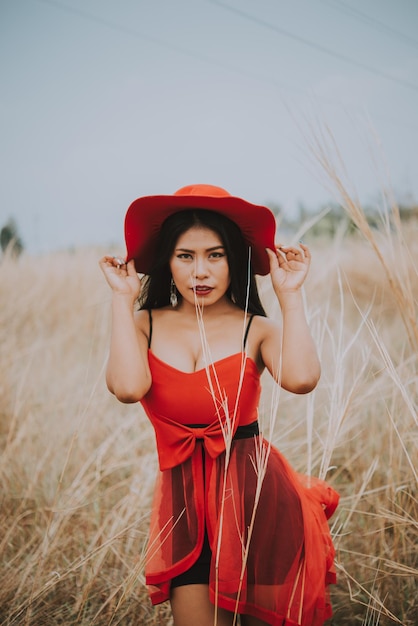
(77, 468)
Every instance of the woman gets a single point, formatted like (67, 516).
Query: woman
(234, 530)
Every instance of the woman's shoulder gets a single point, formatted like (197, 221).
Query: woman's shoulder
(142, 315)
(145, 317)
(262, 326)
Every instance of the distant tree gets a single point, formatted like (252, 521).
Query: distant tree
(408, 212)
(10, 240)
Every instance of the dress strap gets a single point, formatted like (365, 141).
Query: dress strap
(150, 328)
(247, 331)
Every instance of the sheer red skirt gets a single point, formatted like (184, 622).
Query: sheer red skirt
(272, 554)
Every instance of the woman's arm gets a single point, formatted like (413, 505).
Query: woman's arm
(289, 353)
(128, 376)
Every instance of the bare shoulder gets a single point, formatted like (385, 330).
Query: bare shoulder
(263, 328)
(262, 332)
(144, 318)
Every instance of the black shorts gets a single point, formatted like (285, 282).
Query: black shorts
(198, 573)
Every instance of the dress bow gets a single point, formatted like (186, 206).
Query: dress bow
(176, 442)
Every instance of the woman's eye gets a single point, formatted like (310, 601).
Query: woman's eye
(184, 255)
(217, 255)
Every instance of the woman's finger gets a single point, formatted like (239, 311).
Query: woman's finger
(273, 257)
(130, 268)
(118, 261)
(293, 253)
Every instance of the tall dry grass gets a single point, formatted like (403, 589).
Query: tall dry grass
(77, 468)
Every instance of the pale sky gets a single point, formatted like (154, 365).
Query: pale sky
(103, 101)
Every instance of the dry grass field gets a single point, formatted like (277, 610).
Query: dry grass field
(77, 468)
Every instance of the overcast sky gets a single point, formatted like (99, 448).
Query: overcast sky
(103, 101)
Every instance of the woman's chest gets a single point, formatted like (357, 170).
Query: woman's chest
(217, 391)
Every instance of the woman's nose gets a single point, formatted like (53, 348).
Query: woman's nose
(200, 268)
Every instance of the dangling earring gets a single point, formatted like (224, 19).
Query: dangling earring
(173, 294)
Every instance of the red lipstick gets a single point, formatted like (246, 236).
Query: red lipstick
(202, 290)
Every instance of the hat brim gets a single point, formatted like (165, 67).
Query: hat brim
(146, 215)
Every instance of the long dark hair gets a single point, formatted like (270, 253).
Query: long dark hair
(156, 286)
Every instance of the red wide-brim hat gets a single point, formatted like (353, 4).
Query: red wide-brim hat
(146, 215)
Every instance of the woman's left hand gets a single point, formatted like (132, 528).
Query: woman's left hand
(289, 267)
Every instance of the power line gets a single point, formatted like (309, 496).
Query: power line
(313, 45)
(371, 21)
(134, 33)
(126, 30)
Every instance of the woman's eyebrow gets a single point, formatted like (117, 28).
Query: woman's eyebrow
(220, 247)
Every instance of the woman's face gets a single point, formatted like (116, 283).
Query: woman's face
(199, 266)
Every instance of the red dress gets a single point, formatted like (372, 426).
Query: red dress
(272, 554)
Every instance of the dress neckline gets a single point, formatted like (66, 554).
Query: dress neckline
(242, 355)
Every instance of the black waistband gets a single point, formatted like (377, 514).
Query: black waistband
(242, 432)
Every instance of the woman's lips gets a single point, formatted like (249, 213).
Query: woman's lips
(202, 290)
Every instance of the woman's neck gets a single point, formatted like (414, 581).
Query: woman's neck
(217, 309)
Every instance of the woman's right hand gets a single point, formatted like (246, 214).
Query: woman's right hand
(121, 276)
